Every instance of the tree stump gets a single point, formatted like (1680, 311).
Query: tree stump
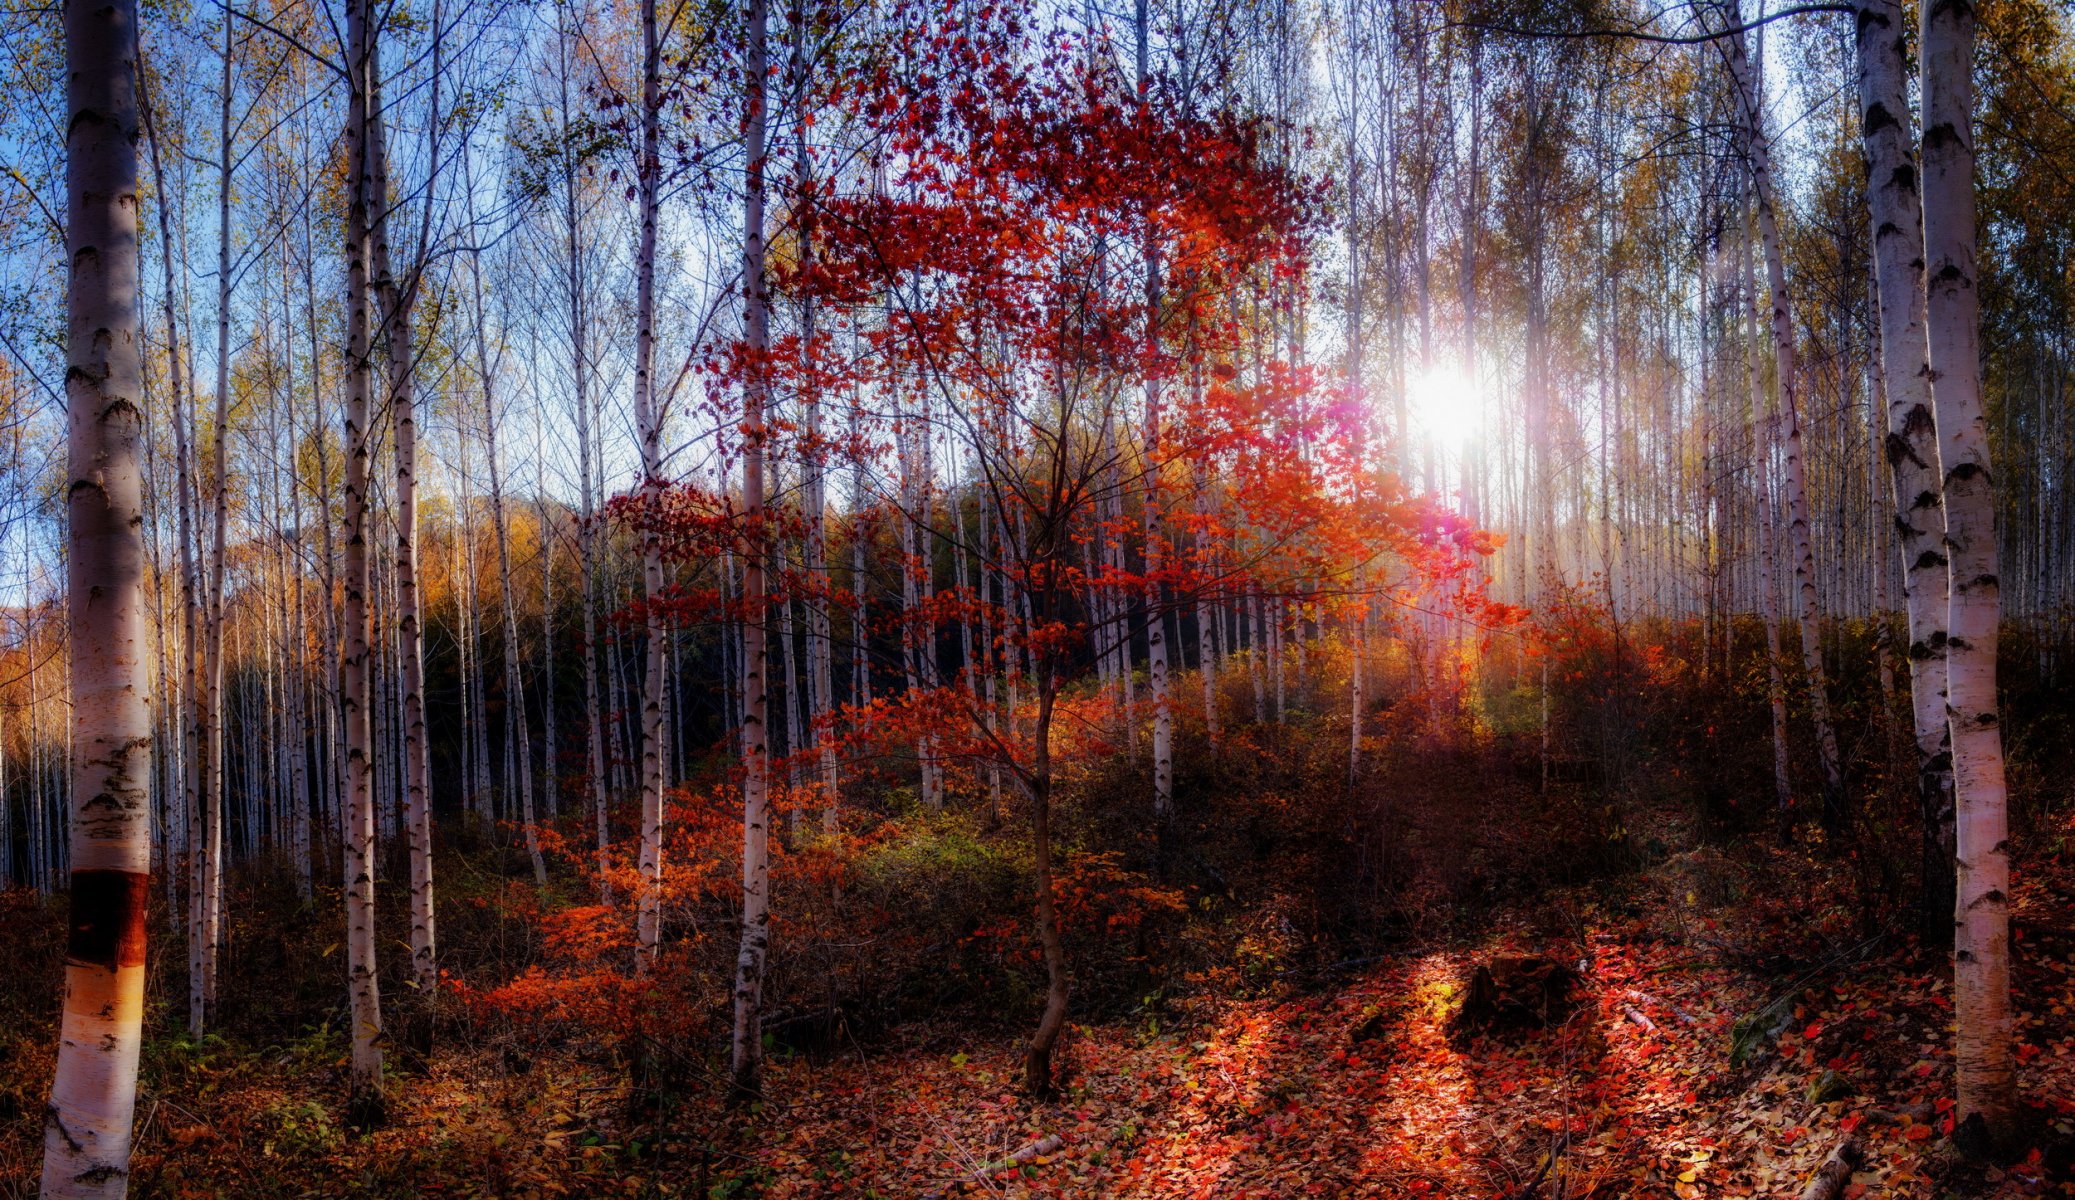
(1516, 992)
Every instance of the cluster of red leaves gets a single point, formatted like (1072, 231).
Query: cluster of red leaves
(1098, 897)
(984, 267)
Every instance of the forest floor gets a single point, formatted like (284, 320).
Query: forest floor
(1352, 1087)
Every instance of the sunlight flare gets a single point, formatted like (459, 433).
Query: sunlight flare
(1446, 406)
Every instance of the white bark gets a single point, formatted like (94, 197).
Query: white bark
(821, 695)
(518, 743)
(1761, 430)
(398, 305)
(363, 987)
(649, 913)
(93, 1094)
(186, 708)
(1983, 1023)
(1896, 208)
(1758, 153)
(747, 1050)
(219, 520)
(1155, 598)
(586, 524)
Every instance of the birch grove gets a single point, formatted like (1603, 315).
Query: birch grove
(788, 533)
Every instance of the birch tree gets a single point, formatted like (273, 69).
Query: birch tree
(355, 691)
(1887, 132)
(1757, 148)
(86, 1143)
(649, 429)
(1983, 1022)
(747, 1048)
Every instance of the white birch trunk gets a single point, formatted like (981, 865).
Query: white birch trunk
(1896, 209)
(820, 646)
(1761, 429)
(649, 913)
(363, 986)
(586, 525)
(1982, 1018)
(93, 1094)
(398, 305)
(747, 1049)
(518, 743)
(1758, 151)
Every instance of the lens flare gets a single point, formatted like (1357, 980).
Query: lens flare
(1446, 406)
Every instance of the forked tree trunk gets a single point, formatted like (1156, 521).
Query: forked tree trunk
(1896, 207)
(1982, 1019)
(93, 1096)
(363, 988)
(747, 1051)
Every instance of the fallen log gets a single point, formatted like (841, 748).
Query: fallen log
(1047, 1144)
(1836, 1171)
(1020, 1156)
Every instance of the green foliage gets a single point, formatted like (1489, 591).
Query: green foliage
(180, 1056)
(299, 1129)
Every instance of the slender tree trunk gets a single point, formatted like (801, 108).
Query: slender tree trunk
(363, 986)
(1038, 1078)
(518, 743)
(747, 1052)
(1761, 427)
(188, 706)
(550, 778)
(1983, 1022)
(1758, 150)
(649, 916)
(398, 306)
(298, 712)
(212, 616)
(820, 645)
(587, 551)
(1358, 626)
(93, 1095)
(1155, 591)
(918, 632)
